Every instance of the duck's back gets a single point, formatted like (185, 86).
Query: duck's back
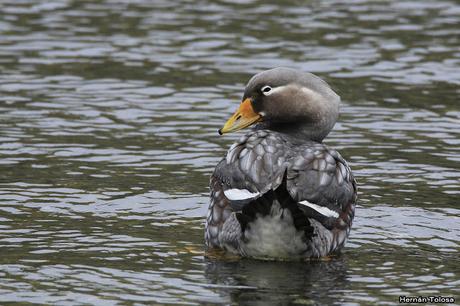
(276, 196)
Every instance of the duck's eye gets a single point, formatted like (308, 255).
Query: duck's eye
(266, 90)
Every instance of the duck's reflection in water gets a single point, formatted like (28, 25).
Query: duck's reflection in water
(255, 282)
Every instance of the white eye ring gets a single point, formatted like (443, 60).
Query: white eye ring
(266, 90)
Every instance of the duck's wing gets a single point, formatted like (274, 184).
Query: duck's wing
(252, 167)
(321, 181)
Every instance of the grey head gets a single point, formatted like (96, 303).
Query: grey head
(294, 102)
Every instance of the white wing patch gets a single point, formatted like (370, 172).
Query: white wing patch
(240, 194)
(321, 209)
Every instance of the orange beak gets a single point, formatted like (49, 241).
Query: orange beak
(242, 118)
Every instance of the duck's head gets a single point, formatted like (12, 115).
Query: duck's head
(289, 101)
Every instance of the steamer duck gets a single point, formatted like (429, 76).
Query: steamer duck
(280, 193)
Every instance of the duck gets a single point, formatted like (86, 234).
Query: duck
(280, 192)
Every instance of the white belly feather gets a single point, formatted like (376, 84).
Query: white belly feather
(273, 236)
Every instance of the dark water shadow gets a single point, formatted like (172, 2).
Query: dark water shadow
(254, 282)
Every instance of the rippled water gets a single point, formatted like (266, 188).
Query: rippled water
(109, 113)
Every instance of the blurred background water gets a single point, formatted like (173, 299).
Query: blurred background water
(109, 113)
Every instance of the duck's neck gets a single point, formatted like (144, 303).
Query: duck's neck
(300, 130)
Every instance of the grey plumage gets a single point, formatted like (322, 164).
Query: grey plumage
(283, 163)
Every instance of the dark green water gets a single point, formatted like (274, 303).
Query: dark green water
(109, 113)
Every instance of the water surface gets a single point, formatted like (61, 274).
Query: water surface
(109, 113)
